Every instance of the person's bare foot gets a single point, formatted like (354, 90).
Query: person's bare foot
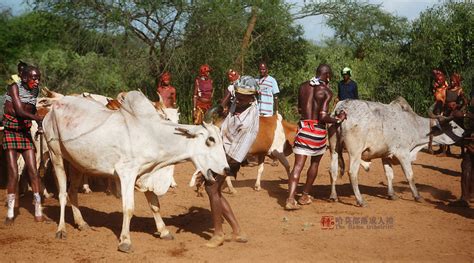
(9, 221)
(240, 238)
(39, 219)
(215, 241)
(43, 218)
(305, 199)
(291, 204)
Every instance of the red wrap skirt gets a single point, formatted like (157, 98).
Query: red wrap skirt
(16, 133)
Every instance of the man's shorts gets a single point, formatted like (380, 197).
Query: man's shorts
(311, 138)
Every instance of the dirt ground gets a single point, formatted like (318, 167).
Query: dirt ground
(386, 230)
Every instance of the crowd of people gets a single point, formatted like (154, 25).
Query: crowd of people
(246, 99)
(451, 102)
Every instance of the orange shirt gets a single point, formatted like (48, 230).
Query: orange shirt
(439, 91)
(168, 94)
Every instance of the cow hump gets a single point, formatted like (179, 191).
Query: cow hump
(400, 101)
(137, 104)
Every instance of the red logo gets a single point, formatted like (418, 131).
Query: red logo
(327, 222)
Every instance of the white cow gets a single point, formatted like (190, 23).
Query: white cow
(51, 96)
(130, 144)
(392, 132)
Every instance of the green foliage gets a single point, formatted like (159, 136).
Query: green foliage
(216, 41)
(110, 46)
(442, 38)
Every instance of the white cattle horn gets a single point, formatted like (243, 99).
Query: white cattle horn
(439, 117)
(186, 132)
(210, 114)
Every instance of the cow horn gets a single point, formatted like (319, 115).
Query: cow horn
(430, 112)
(439, 117)
(210, 114)
(186, 132)
(46, 92)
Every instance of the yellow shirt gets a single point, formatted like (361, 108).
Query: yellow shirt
(14, 79)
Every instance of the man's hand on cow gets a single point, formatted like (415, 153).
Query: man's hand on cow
(341, 116)
(458, 114)
(225, 111)
(39, 132)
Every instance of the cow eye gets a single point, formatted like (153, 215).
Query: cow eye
(210, 141)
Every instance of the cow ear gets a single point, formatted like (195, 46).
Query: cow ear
(186, 132)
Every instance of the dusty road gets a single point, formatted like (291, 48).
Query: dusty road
(401, 230)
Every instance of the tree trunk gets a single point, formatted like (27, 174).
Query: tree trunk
(239, 62)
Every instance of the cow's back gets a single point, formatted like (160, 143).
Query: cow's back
(290, 131)
(76, 126)
(378, 129)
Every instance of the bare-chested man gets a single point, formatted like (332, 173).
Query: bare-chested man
(313, 104)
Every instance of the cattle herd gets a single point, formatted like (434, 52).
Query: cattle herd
(127, 150)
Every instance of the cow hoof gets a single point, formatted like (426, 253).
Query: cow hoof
(232, 191)
(169, 236)
(83, 227)
(393, 197)
(257, 188)
(333, 199)
(125, 247)
(9, 221)
(419, 199)
(61, 234)
(362, 204)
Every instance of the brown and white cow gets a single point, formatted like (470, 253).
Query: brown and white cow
(275, 138)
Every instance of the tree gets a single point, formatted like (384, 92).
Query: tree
(213, 35)
(158, 24)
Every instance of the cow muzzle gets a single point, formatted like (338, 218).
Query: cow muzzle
(209, 176)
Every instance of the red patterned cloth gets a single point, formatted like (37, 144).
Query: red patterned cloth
(201, 109)
(311, 138)
(16, 133)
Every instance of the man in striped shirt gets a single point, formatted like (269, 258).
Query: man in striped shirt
(268, 92)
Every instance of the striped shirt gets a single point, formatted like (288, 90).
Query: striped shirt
(26, 95)
(268, 88)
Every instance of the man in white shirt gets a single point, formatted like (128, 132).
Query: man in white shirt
(268, 92)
